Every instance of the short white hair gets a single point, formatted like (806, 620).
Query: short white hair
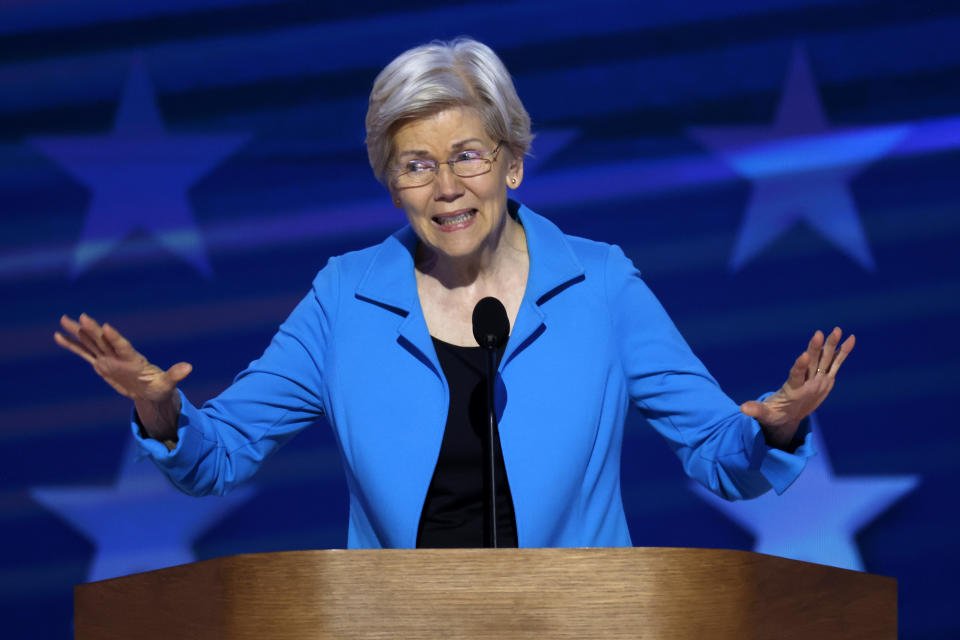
(439, 75)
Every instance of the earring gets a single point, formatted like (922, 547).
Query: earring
(513, 180)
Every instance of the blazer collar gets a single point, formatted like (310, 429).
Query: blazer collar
(390, 280)
(553, 264)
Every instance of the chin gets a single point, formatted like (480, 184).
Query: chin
(458, 244)
(455, 250)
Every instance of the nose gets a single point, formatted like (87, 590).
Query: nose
(447, 185)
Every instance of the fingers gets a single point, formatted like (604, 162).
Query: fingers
(824, 357)
(798, 372)
(120, 345)
(81, 333)
(86, 338)
(70, 325)
(90, 331)
(75, 347)
(179, 371)
(81, 344)
(754, 409)
(813, 352)
(845, 350)
(828, 351)
(831, 358)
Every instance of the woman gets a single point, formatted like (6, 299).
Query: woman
(383, 347)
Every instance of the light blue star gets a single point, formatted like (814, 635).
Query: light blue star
(800, 168)
(140, 523)
(138, 175)
(818, 517)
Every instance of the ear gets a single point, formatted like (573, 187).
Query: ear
(515, 172)
(395, 196)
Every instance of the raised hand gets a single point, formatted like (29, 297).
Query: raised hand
(810, 381)
(152, 389)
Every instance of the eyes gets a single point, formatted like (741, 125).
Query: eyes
(422, 165)
(467, 163)
(469, 154)
(418, 166)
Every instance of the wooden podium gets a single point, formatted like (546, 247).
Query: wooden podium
(662, 594)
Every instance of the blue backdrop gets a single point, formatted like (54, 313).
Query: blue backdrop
(182, 169)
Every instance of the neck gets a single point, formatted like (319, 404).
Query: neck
(499, 252)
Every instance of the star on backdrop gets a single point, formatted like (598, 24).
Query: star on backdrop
(800, 168)
(139, 175)
(140, 523)
(818, 516)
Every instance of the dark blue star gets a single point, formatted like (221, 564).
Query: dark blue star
(140, 523)
(800, 168)
(138, 175)
(818, 517)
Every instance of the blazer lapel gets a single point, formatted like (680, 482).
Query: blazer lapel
(390, 283)
(553, 268)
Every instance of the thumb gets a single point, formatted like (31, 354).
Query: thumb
(755, 409)
(179, 371)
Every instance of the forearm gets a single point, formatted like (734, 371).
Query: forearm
(786, 438)
(223, 442)
(159, 419)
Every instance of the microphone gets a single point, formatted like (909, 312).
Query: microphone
(491, 327)
(490, 323)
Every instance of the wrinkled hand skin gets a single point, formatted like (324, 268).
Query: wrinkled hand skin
(810, 381)
(153, 390)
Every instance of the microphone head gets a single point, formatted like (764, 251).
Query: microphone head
(491, 327)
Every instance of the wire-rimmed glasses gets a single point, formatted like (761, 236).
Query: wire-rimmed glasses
(418, 172)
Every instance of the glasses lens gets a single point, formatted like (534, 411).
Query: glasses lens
(416, 173)
(414, 178)
(471, 167)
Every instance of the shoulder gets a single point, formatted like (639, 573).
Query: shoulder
(594, 253)
(348, 270)
(593, 256)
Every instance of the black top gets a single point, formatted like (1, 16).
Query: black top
(453, 512)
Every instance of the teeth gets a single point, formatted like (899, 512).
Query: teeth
(463, 217)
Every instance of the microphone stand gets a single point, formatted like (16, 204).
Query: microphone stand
(491, 328)
(491, 456)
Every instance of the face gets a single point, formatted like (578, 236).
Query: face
(454, 216)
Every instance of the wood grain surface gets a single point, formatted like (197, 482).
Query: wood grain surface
(491, 593)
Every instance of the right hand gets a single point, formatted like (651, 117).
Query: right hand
(152, 389)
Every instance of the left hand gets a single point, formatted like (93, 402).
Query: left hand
(808, 385)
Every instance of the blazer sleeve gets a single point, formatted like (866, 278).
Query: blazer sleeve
(719, 446)
(225, 441)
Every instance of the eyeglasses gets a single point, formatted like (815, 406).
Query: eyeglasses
(418, 172)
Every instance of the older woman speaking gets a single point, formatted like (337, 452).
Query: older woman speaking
(383, 347)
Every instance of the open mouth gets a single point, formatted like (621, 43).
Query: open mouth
(455, 219)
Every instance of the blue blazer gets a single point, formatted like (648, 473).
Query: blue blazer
(590, 339)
